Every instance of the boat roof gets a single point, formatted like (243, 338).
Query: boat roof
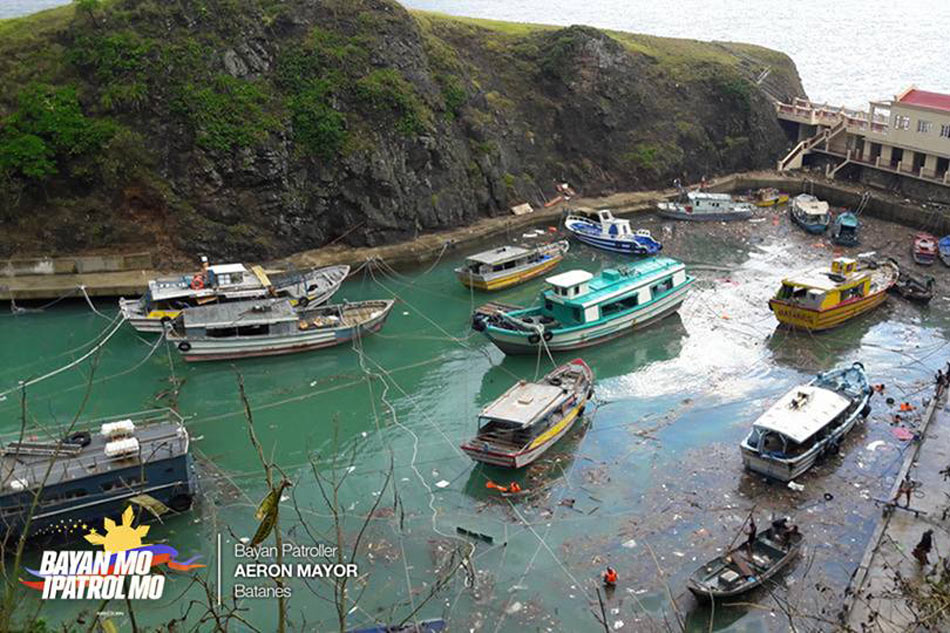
(848, 218)
(614, 281)
(224, 269)
(820, 279)
(498, 255)
(235, 313)
(570, 278)
(798, 423)
(160, 433)
(706, 195)
(811, 205)
(524, 403)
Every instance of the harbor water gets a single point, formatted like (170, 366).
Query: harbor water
(651, 484)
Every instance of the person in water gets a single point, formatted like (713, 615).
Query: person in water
(610, 578)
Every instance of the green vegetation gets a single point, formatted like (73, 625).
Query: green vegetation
(655, 158)
(228, 113)
(318, 128)
(385, 90)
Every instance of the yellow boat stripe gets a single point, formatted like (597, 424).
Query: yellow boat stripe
(557, 428)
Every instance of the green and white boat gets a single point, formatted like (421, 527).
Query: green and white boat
(580, 310)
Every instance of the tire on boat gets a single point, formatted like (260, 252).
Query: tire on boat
(534, 339)
(590, 393)
(184, 346)
(547, 336)
(80, 438)
(303, 302)
(180, 503)
(478, 323)
(866, 411)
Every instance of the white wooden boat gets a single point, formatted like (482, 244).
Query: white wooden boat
(270, 327)
(166, 297)
(807, 422)
(530, 417)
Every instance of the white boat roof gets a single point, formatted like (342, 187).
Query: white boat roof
(225, 269)
(570, 278)
(524, 403)
(811, 205)
(816, 408)
(498, 255)
(240, 313)
(705, 195)
(819, 279)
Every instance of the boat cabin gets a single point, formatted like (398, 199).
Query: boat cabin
(801, 418)
(812, 210)
(500, 260)
(705, 201)
(822, 289)
(241, 318)
(522, 413)
(614, 227)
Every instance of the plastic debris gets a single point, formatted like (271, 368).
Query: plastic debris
(618, 624)
(795, 486)
(629, 544)
(442, 484)
(514, 607)
(902, 434)
(875, 445)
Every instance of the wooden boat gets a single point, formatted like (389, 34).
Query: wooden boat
(601, 229)
(580, 310)
(531, 417)
(510, 265)
(912, 288)
(943, 249)
(271, 327)
(807, 422)
(423, 626)
(95, 472)
(810, 213)
(741, 570)
(925, 249)
(822, 299)
(704, 206)
(769, 197)
(844, 231)
(166, 297)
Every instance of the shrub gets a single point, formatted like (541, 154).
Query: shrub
(318, 128)
(227, 112)
(386, 90)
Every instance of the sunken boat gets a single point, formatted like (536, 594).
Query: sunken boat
(166, 297)
(699, 206)
(92, 474)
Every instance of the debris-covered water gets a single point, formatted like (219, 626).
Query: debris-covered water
(652, 484)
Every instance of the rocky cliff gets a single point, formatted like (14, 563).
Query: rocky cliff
(254, 128)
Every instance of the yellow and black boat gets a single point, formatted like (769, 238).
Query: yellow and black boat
(510, 265)
(769, 197)
(822, 299)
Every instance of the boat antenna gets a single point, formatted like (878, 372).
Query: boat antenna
(742, 525)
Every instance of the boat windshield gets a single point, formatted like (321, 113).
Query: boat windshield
(801, 295)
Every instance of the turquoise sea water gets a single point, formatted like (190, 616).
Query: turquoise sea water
(654, 472)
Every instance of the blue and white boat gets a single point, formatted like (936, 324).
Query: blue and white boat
(810, 213)
(580, 310)
(943, 249)
(844, 231)
(601, 229)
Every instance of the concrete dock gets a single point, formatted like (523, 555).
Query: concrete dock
(875, 601)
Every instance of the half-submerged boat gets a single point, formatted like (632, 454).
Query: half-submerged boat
(530, 417)
(423, 626)
(925, 249)
(510, 265)
(601, 229)
(822, 299)
(702, 205)
(166, 297)
(769, 197)
(745, 568)
(96, 472)
(913, 288)
(580, 310)
(810, 213)
(943, 249)
(271, 327)
(844, 231)
(807, 422)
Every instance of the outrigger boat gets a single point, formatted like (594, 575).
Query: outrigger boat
(510, 265)
(580, 310)
(96, 472)
(844, 231)
(914, 288)
(810, 213)
(925, 249)
(531, 417)
(743, 568)
(704, 206)
(601, 229)
(943, 249)
(807, 422)
(271, 327)
(166, 297)
(769, 197)
(822, 299)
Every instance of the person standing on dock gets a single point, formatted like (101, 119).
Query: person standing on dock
(922, 551)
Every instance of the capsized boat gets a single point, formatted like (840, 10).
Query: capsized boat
(270, 327)
(743, 569)
(510, 265)
(423, 626)
(531, 417)
(822, 299)
(807, 422)
(943, 249)
(844, 231)
(166, 297)
(601, 229)
(913, 288)
(96, 472)
(702, 205)
(810, 213)
(580, 310)
(769, 197)
(925, 249)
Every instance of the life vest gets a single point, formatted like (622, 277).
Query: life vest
(610, 577)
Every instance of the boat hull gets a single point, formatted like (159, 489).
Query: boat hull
(797, 317)
(676, 214)
(518, 342)
(809, 227)
(630, 246)
(771, 202)
(512, 279)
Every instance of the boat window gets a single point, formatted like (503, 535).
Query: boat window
(664, 286)
(853, 292)
(222, 332)
(772, 443)
(548, 305)
(620, 305)
(253, 330)
(578, 314)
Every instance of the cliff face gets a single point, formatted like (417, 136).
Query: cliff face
(254, 128)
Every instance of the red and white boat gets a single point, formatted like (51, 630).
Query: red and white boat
(925, 249)
(530, 417)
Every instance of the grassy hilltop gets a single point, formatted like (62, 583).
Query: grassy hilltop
(253, 128)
